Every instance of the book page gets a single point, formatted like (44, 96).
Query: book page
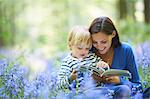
(106, 71)
(116, 72)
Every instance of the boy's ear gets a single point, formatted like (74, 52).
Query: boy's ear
(114, 33)
(70, 46)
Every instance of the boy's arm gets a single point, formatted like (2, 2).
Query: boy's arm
(64, 79)
(94, 60)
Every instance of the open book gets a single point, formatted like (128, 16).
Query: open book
(107, 72)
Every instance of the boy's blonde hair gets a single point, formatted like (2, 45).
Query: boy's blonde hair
(79, 35)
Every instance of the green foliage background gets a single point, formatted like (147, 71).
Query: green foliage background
(41, 26)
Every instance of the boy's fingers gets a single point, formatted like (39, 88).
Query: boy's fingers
(100, 65)
(106, 66)
(74, 71)
(103, 65)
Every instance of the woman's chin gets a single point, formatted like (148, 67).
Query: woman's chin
(102, 52)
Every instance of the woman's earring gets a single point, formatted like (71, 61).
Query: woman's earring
(114, 33)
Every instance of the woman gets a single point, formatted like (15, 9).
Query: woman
(107, 45)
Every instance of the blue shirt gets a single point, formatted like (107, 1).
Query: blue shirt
(124, 59)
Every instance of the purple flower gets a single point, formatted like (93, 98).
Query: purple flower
(143, 61)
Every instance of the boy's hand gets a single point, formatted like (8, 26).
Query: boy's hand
(74, 75)
(102, 64)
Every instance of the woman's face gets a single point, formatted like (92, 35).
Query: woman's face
(102, 42)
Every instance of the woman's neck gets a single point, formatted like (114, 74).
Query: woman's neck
(107, 57)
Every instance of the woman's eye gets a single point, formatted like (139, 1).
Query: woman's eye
(104, 42)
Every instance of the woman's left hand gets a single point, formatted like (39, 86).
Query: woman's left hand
(113, 79)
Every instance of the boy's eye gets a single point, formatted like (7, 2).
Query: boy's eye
(79, 48)
(95, 43)
(87, 48)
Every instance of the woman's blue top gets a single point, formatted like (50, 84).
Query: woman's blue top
(124, 59)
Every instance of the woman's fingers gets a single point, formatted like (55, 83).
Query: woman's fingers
(102, 64)
(113, 79)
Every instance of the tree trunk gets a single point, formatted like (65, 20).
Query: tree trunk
(147, 11)
(1, 26)
(131, 9)
(122, 6)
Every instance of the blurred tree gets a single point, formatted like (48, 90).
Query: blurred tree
(131, 9)
(147, 11)
(126, 9)
(122, 7)
(1, 24)
(9, 9)
(5, 23)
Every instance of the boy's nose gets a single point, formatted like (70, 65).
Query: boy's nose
(84, 51)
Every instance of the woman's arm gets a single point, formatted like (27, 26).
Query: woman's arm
(132, 66)
(98, 79)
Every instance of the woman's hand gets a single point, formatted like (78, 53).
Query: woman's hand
(99, 79)
(102, 64)
(113, 79)
(110, 79)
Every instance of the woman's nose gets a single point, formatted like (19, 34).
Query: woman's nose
(99, 46)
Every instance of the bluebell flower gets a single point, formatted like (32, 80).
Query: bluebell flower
(11, 80)
(143, 61)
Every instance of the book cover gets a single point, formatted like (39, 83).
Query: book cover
(107, 72)
(116, 72)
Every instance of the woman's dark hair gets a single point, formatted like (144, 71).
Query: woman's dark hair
(105, 25)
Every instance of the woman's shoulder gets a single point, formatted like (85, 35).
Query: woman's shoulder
(125, 46)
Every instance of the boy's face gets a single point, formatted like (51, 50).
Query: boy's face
(80, 50)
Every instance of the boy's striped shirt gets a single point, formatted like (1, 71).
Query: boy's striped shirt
(69, 64)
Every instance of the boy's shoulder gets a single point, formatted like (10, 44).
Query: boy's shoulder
(91, 53)
(67, 57)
